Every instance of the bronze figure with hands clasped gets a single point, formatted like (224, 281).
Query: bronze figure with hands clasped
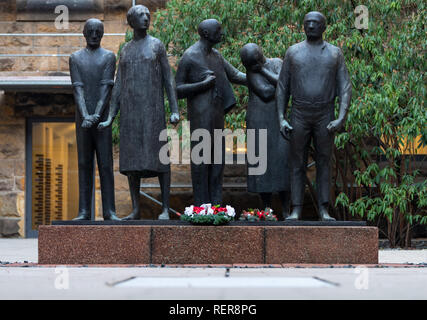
(92, 76)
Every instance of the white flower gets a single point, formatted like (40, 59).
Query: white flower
(230, 211)
(207, 209)
(189, 211)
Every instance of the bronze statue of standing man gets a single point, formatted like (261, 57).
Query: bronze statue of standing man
(142, 77)
(92, 75)
(314, 74)
(203, 77)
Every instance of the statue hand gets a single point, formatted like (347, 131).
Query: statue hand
(90, 120)
(335, 126)
(105, 124)
(95, 118)
(174, 118)
(210, 81)
(87, 124)
(285, 129)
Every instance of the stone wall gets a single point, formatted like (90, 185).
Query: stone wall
(12, 168)
(114, 22)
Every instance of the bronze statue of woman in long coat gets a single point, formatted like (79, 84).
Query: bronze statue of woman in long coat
(143, 75)
(262, 76)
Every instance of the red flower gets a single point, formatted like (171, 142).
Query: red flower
(197, 210)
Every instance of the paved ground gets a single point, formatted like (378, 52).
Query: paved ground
(405, 281)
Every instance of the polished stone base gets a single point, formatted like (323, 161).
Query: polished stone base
(181, 243)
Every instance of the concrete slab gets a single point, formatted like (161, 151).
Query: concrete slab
(98, 283)
(403, 256)
(18, 250)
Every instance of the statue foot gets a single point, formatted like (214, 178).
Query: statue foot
(324, 215)
(285, 214)
(133, 216)
(164, 215)
(295, 215)
(111, 217)
(83, 216)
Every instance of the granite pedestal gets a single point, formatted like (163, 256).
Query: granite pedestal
(177, 242)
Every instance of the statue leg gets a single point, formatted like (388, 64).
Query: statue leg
(266, 199)
(165, 182)
(199, 179)
(285, 198)
(300, 140)
(86, 153)
(216, 169)
(134, 188)
(104, 156)
(323, 141)
(216, 172)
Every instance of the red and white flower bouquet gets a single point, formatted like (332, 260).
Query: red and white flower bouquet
(258, 215)
(208, 214)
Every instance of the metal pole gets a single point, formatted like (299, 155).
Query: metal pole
(156, 201)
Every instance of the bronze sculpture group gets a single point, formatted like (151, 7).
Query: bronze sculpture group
(313, 73)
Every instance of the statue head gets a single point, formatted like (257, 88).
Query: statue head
(252, 57)
(139, 17)
(211, 31)
(93, 32)
(314, 25)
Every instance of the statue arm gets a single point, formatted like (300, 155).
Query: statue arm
(344, 88)
(106, 83)
(114, 102)
(344, 94)
(283, 95)
(169, 84)
(233, 74)
(185, 89)
(77, 87)
(262, 88)
(283, 89)
(272, 77)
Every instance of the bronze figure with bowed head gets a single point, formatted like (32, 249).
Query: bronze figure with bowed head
(142, 77)
(262, 76)
(203, 78)
(314, 74)
(92, 76)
